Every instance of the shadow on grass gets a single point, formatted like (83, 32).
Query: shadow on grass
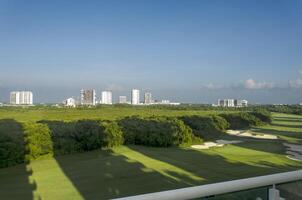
(288, 119)
(14, 181)
(135, 170)
(297, 135)
(105, 175)
(268, 146)
(287, 125)
(211, 167)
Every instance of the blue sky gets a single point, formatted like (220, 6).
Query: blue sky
(188, 51)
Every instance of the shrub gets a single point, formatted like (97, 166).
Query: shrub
(160, 132)
(83, 135)
(12, 144)
(112, 134)
(38, 141)
(63, 137)
(241, 120)
(206, 127)
(88, 134)
(262, 114)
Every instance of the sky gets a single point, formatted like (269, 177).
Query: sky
(192, 51)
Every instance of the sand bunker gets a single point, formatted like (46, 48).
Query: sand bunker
(218, 143)
(251, 134)
(294, 151)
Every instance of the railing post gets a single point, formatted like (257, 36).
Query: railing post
(273, 193)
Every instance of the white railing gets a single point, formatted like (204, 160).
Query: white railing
(220, 188)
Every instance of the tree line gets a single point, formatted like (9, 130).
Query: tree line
(33, 140)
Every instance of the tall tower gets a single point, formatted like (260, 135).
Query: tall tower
(148, 98)
(135, 97)
(106, 97)
(21, 98)
(88, 97)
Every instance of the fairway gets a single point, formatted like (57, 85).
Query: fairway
(130, 170)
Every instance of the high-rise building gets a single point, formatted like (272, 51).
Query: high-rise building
(135, 97)
(106, 97)
(226, 102)
(232, 103)
(88, 97)
(148, 98)
(21, 98)
(122, 99)
(240, 103)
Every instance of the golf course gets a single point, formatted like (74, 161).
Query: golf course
(136, 169)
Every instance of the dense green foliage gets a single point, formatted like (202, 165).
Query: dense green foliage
(38, 141)
(32, 139)
(156, 131)
(12, 145)
(88, 134)
(206, 127)
(112, 134)
(289, 109)
(264, 115)
(241, 120)
(83, 135)
(63, 137)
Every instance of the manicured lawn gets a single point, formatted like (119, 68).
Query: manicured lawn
(130, 170)
(287, 127)
(135, 169)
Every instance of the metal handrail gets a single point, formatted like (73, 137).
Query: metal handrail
(220, 188)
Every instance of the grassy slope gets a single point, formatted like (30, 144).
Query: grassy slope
(135, 169)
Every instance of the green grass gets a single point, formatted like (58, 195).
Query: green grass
(102, 113)
(130, 170)
(287, 127)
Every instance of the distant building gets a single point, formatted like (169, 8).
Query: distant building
(106, 97)
(148, 98)
(232, 103)
(70, 102)
(165, 102)
(226, 102)
(135, 97)
(88, 97)
(21, 98)
(240, 103)
(123, 99)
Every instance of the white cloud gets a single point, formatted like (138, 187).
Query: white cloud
(114, 87)
(252, 84)
(295, 83)
(211, 86)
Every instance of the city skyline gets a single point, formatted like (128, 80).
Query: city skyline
(191, 52)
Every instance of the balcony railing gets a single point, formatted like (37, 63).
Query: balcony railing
(269, 182)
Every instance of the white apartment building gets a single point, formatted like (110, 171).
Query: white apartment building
(88, 97)
(241, 103)
(122, 99)
(135, 97)
(70, 102)
(226, 102)
(148, 98)
(21, 98)
(106, 97)
(232, 103)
